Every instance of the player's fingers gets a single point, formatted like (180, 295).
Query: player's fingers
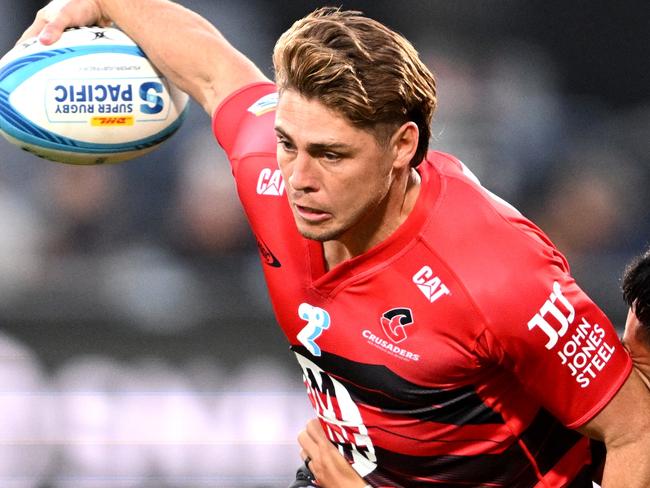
(306, 458)
(48, 26)
(33, 30)
(315, 431)
(52, 30)
(307, 443)
(58, 15)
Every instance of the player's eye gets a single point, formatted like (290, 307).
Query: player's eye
(331, 156)
(285, 145)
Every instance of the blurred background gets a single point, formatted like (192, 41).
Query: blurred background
(137, 344)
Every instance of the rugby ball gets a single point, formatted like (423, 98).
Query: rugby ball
(92, 97)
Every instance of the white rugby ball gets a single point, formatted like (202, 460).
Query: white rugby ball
(90, 98)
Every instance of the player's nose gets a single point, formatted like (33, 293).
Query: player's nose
(303, 174)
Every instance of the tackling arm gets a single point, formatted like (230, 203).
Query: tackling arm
(328, 465)
(636, 341)
(185, 47)
(624, 426)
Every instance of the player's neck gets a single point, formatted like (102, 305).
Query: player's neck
(644, 373)
(378, 225)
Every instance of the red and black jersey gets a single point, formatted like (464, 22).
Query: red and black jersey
(458, 352)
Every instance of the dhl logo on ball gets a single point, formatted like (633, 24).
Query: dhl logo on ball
(111, 121)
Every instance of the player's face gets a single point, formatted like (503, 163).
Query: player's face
(338, 177)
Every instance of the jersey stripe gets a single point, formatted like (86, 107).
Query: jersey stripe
(548, 440)
(432, 431)
(458, 406)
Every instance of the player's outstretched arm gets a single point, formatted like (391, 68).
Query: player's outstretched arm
(187, 49)
(624, 426)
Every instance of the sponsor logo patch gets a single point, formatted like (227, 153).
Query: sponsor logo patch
(126, 120)
(389, 347)
(317, 321)
(582, 347)
(267, 256)
(264, 105)
(270, 182)
(393, 323)
(429, 284)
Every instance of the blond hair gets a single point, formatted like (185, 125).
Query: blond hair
(361, 69)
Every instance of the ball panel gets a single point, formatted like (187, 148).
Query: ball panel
(94, 94)
(80, 157)
(22, 130)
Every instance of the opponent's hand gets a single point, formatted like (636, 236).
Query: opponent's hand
(58, 15)
(635, 340)
(329, 467)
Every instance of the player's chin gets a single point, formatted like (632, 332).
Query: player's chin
(318, 233)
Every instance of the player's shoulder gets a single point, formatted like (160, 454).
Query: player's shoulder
(444, 161)
(466, 207)
(481, 236)
(458, 181)
(243, 121)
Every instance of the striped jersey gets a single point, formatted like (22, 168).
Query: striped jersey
(459, 352)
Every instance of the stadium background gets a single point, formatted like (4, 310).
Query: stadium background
(137, 346)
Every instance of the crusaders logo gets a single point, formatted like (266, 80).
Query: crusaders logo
(394, 323)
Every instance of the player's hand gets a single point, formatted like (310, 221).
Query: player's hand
(329, 467)
(635, 341)
(58, 15)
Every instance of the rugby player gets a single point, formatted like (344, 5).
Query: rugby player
(442, 338)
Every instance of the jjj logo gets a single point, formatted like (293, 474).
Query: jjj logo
(317, 321)
(550, 317)
(394, 323)
(584, 350)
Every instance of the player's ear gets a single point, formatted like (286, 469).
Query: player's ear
(404, 143)
(632, 328)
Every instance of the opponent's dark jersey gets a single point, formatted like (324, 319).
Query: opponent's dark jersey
(458, 352)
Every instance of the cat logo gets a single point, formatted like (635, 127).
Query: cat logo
(430, 285)
(270, 183)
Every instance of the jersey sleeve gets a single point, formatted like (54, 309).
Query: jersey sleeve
(243, 122)
(244, 127)
(560, 345)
